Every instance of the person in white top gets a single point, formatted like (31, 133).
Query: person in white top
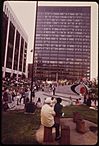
(47, 116)
(39, 103)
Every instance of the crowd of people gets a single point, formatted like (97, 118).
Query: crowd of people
(51, 109)
(19, 90)
(16, 90)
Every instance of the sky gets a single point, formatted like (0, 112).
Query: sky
(25, 12)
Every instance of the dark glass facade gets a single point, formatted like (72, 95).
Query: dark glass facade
(25, 55)
(16, 50)
(62, 47)
(21, 54)
(10, 45)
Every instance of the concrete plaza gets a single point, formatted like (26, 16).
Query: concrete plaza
(63, 92)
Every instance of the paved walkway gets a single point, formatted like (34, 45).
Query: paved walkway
(64, 92)
(89, 138)
(43, 95)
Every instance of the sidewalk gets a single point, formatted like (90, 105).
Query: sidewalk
(42, 94)
(89, 138)
(65, 98)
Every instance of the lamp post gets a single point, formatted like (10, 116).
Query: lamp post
(30, 107)
(32, 74)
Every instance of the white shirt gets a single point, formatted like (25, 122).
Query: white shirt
(47, 115)
(92, 103)
(39, 104)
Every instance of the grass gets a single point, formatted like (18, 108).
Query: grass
(88, 114)
(20, 128)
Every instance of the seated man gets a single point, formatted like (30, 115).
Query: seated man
(47, 116)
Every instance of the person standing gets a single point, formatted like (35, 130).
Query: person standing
(53, 101)
(23, 96)
(39, 103)
(58, 110)
(89, 101)
(47, 116)
(54, 89)
(70, 101)
(5, 100)
(85, 100)
(5, 95)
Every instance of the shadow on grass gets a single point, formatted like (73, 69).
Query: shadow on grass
(19, 128)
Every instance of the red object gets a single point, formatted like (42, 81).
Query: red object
(82, 90)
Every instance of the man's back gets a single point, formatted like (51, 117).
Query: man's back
(58, 109)
(47, 115)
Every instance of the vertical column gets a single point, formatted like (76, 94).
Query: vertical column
(19, 57)
(6, 49)
(23, 56)
(26, 64)
(13, 52)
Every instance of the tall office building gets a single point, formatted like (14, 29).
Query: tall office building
(62, 49)
(14, 44)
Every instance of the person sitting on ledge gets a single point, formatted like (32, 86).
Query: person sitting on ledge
(47, 117)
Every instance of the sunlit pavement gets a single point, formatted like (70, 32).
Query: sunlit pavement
(63, 92)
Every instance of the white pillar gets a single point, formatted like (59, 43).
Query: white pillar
(13, 52)
(18, 57)
(26, 66)
(6, 47)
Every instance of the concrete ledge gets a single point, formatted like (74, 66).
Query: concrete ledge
(89, 138)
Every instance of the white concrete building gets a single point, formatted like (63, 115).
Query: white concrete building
(14, 44)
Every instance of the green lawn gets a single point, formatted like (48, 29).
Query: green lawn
(88, 114)
(20, 128)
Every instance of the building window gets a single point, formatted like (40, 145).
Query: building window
(21, 54)
(10, 45)
(4, 35)
(16, 50)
